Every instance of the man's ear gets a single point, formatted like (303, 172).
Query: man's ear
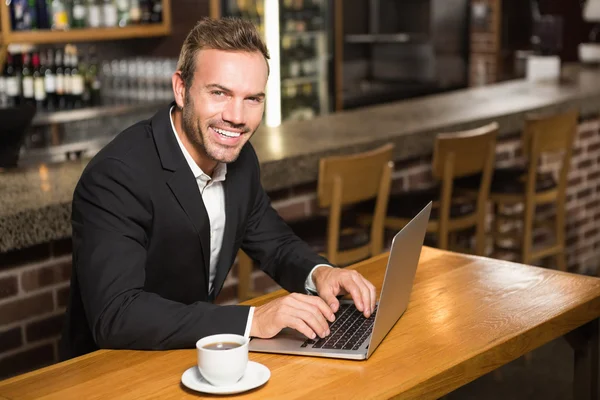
(178, 89)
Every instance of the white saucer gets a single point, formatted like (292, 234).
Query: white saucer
(256, 374)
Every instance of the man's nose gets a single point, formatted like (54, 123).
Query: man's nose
(234, 112)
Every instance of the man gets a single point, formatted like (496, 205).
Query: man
(160, 213)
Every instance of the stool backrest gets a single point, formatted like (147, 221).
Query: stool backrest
(359, 173)
(549, 134)
(345, 180)
(460, 154)
(555, 132)
(470, 150)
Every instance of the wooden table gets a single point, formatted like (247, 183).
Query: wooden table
(467, 316)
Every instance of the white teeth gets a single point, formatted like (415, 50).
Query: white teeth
(227, 133)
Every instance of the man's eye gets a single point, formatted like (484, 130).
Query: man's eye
(218, 92)
(254, 99)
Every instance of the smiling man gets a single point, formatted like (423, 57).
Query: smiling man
(160, 213)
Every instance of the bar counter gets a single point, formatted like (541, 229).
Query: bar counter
(35, 202)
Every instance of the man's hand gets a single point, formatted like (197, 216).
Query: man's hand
(331, 282)
(304, 313)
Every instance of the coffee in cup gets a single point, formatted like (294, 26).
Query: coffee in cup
(222, 359)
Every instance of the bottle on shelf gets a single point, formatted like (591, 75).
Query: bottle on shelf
(135, 12)
(77, 82)
(67, 77)
(60, 16)
(60, 99)
(94, 84)
(94, 14)
(39, 88)
(146, 11)
(109, 13)
(43, 14)
(3, 95)
(18, 10)
(27, 80)
(50, 81)
(79, 14)
(12, 82)
(295, 59)
(31, 15)
(309, 62)
(157, 8)
(123, 7)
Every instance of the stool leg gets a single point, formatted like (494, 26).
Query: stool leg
(560, 234)
(527, 231)
(561, 261)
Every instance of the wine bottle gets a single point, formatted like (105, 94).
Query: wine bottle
(50, 81)
(39, 87)
(67, 78)
(77, 83)
(3, 94)
(123, 12)
(94, 14)
(60, 17)
(109, 13)
(27, 81)
(94, 82)
(157, 8)
(61, 102)
(79, 14)
(13, 91)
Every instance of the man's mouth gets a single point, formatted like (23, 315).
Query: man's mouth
(227, 133)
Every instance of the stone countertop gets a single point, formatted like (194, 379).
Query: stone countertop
(35, 202)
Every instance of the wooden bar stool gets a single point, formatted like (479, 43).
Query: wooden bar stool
(531, 187)
(455, 155)
(343, 181)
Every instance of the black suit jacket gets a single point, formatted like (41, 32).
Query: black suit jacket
(141, 246)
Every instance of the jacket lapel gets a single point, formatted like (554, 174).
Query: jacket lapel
(184, 187)
(226, 256)
(181, 181)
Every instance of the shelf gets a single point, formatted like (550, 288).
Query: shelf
(61, 117)
(396, 38)
(86, 35)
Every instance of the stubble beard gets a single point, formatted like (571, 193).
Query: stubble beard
(193, 129)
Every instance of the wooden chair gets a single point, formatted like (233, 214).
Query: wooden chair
(349, 180)
(455, 155)
(343, 181)
(531, 187)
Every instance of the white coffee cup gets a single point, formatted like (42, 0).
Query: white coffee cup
(222, 367)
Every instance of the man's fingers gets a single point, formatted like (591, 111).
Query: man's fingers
(313, 313)
(365, 294)
(327, 303)
(301, 326)
(373, 295)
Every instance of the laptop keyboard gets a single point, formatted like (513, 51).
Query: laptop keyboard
(348, 332)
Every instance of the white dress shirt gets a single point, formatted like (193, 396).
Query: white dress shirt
(213, 197)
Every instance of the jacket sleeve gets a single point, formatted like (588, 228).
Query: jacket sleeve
(269, 240)
(112, 214)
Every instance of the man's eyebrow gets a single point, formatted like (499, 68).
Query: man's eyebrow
(217, 86)
(224, 89)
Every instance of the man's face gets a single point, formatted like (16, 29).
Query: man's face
(225, 103)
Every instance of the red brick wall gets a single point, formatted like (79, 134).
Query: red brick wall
(34, 288)
(34, 282)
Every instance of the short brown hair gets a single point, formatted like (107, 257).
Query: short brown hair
(229, 34)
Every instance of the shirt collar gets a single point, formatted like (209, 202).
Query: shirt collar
(220, 170)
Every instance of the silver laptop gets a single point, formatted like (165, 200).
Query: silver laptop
(352, 335)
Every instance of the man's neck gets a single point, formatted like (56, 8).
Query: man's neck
(198, 155)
